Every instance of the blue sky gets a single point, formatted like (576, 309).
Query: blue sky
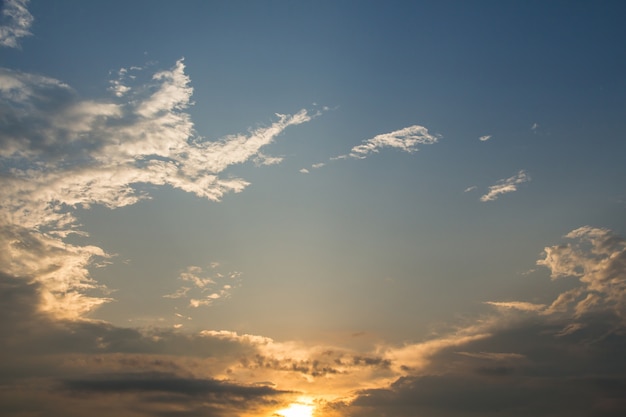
(313, 208)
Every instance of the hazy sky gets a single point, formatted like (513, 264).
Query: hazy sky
(312, 209)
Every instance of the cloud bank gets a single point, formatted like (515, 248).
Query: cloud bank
(562, 357)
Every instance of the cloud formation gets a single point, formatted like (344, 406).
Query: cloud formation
(535, 357)
(507, 185)
(204, 287)
(406, 140)
(15, 22)
(484, 138)
(59, 152)
(563, 358)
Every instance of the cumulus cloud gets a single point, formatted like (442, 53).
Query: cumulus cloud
(406, 140)
(597, 259)
(15, 22)
(484, 138)
(507, 185)
(59, 152)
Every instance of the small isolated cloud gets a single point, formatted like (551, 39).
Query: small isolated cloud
(319, 165)
(406, 140)
(534, 127)
(203, 287)
(504, 186)
(517, 305)
(14, 23)
(485, 138)
(304, 171)
(262, 159)
(468, 189)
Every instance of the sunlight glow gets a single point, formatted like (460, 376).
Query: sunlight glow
(296, 410)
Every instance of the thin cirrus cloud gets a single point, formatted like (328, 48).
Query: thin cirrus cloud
(60, 152)
(15, 23)
(407, 140)
(504, 186)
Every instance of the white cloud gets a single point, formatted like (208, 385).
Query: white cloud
(468, 189)
(208, 286)
(484, 138)
(318, 165)
(517, 305)
(406, 140)
(597, 258)
(304, 171)
(504, 186)
(15, 23)
(59, 152)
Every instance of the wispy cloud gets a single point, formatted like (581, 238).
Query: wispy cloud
(484, 138)
(406, 140)
(59, 152)
(15, 23)
(471, 188)
(504, 186)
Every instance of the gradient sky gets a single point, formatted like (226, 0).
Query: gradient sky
(312, 209)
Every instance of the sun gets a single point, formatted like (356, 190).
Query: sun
(296, 410)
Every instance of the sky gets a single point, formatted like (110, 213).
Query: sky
(312, 209)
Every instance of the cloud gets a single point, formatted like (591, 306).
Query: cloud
(14, 23)
(527, 358)
(504, 186)
(597, 258)
(484, 138)
(406, 140)
(304, 171)
(517, 305)
(60, 152)
(208, 286)
(534, 358)
(471, 188)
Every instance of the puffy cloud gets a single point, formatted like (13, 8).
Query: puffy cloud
(504, 186)
(406, 140)
(597, 258)
(484, 138)
(15, 22)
